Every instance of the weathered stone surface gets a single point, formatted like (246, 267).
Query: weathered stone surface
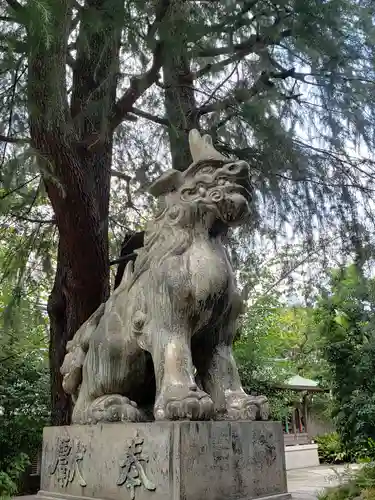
(165, 461)
(174, 312)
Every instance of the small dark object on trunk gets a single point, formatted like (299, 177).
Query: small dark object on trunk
(132, 241)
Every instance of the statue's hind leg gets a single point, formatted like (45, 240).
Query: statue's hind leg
(113, 366)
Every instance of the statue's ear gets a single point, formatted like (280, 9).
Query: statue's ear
(167, 182)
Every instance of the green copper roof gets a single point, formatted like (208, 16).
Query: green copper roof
(298, 381)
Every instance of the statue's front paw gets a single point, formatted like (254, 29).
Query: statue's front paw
(178, 403)
(241, 406)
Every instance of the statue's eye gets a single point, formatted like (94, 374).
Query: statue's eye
(207, 169)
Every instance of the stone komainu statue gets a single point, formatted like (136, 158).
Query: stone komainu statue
(174, 314)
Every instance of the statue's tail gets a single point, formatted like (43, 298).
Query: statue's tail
(77, 348)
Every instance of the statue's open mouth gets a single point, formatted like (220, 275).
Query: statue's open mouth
(243, 189)
(233, 207)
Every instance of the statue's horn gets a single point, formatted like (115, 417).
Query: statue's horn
(195, 143)
(201, 148)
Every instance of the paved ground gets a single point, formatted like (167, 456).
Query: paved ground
(305, 484)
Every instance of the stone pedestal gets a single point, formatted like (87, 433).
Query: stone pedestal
(165, 461)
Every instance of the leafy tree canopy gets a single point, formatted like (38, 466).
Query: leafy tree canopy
(286, 85)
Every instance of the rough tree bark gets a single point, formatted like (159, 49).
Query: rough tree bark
(75, 144)
(78, 179)
(179, 97)
(60, 402)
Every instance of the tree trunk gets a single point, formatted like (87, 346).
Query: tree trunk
(57, 311)
(75, 143)
(81, 281)
(73, 137)
(82, 276)
(179, 97)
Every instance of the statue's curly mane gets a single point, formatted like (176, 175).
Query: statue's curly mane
(164, 238)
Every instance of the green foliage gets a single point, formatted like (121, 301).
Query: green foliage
(275, 342)
(358, 484)
(7, 486)
(367, 451)
(24, 408)
(365, 478)
(24, 411)
(267, 336)
(24, 384)
(342, 492)
(331, 449)
(345, 315)
(259, 343)
(9, 479)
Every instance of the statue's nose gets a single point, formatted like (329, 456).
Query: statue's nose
(238, 168)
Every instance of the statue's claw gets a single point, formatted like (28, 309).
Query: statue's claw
(241, 406)
(179, 404)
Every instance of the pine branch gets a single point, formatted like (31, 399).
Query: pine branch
(353, 162)
(8, 19)
(249, 44)
(120, 175)
(127, 179)
(13, 140)
(11, 191)
(138, 85)
(13, 4)
(148, 116)
(253, 44)
(243, 95)
(161, 11)
(18, 47)
(217, 66)
(123, 258)
(231, 23)
(219, 86)
(37, 221)
(249, 153)
(284, 275)
(15, 355)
